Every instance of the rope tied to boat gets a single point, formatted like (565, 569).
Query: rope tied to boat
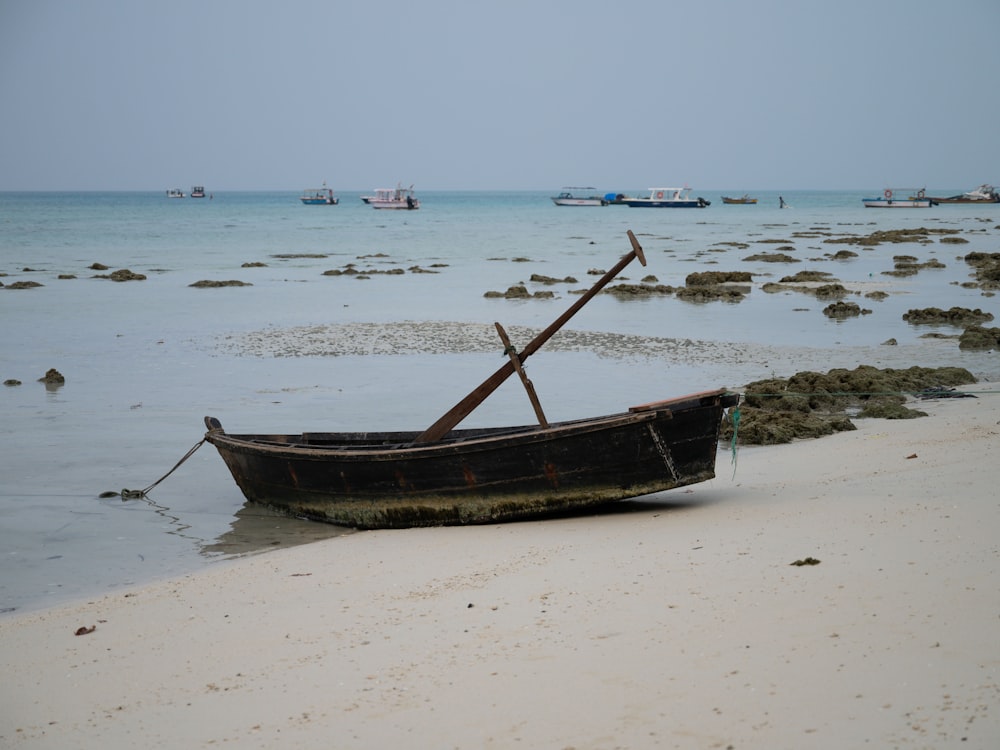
(127, 494)
(734, 415)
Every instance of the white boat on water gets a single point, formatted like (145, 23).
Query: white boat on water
(667, 197)
(175, 193)
(198, 191)
(577, 196)
(397, 197)
(319, 197)
(982, 194)
(894, 199)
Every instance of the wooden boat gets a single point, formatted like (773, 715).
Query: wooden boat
(890, 199)
(982, 194)
(446, 476)
(746, 200)
(319, 197)
(576, 196)
(667, 198)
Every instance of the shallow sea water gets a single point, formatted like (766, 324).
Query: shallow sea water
(145, 361)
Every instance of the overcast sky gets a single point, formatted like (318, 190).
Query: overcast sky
(509, 94)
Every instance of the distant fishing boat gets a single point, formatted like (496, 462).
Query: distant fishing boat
(890, 199)
(175, 193)
(319, 197)
(667, 198)
(577, 196)
(746, 200)
(397, 197)
(982, 194)
(198, 191)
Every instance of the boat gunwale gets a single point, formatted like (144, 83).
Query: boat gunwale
(466, 440)
(459, 444)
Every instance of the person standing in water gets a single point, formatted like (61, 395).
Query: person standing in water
(781, 202)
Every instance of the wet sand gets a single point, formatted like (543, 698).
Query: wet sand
(679, 621)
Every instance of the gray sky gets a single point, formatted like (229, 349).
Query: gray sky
(512, 94)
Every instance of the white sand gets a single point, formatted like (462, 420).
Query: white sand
(679, 624)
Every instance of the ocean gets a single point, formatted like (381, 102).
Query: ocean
(351, 319)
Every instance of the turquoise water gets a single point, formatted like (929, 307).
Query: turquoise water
(144, 361)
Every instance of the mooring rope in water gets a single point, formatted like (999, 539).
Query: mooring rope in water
(139, 494)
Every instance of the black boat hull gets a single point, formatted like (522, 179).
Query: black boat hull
(385, 480)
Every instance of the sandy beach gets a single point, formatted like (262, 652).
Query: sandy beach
(678, 621)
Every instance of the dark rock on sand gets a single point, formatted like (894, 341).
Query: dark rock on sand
(805, 276)
(956, 316)
(919, 234)
(712, 293)
(987, 268)
(977, 338)
(23, 285)
(350, 270)
(811, 404)
(908, 265)
(639, 290)
(207, 284)
(772, 258)
(518, 291)
(53, 376)
(123, 274)
(710, 278)
(831, 291)
(540, 279)
(841, 309)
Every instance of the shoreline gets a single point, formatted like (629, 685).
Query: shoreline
(679, 620)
